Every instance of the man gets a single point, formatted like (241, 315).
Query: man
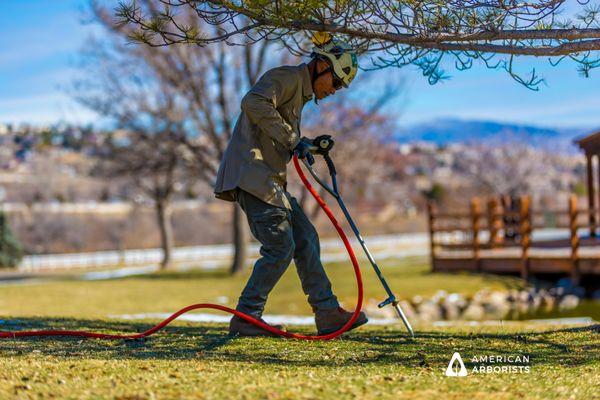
(253, 173)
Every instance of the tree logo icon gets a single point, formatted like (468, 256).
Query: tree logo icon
(456, 366)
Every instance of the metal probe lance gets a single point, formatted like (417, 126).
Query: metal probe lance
(322, 145)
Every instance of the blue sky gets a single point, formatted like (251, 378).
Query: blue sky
(40, 44)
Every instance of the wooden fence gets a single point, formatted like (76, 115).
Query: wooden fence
(479, 239)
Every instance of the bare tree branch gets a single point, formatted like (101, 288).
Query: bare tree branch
(391, 33)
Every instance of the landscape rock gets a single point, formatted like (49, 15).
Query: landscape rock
(417, 300)
(429, 311)
(568, 302)
(453, 305)
(548, 302)
(486, 304)
(496, 306)
(474, 312)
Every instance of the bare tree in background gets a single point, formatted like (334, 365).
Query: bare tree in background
(207, 84)
(156, 160)
(504, 169)
(151, 150)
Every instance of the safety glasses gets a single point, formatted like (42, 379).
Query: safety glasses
(336, 82)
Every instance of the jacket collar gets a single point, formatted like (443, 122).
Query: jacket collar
(307, 90)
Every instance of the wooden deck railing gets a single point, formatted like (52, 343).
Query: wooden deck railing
(470, 226)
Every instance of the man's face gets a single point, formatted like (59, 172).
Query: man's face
(323, 86)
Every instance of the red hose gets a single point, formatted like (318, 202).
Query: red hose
(154, 329)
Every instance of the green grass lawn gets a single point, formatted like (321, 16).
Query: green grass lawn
(189, 360)
(170, 291)
(201, 361)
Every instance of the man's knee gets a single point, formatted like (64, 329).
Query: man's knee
(274, 232)
(280, 252)
(307, 237)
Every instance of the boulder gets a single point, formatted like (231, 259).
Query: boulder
(568, 302)
(453, 305)
(417, 300)
(429, 311)
(497, 306)
(473, 312)
(513, 295)
(548, 303)
(450, 311)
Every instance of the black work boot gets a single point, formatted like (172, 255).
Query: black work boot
(240, 327)
(329, 321)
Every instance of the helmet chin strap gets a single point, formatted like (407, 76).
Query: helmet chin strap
(314, 78)
(315, 75)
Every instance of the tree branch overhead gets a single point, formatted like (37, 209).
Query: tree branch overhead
(386, 33)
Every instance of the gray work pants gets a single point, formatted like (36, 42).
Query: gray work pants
(284, 234)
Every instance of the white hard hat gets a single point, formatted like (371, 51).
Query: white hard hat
(342, 58)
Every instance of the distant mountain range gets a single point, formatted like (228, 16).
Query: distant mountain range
(444, 131)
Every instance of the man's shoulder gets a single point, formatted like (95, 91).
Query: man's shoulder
(285, 71)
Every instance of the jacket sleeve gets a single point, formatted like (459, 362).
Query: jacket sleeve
(261, 102)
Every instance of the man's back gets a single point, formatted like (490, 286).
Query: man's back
(264, 136)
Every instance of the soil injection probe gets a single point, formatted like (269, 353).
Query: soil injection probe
(323, 144)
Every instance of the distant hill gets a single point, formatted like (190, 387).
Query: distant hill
(444, 131)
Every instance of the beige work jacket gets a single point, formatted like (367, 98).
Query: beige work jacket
(264, 136)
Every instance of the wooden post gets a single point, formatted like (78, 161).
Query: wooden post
(509, 221)
(525, 231)
(475, 216)
(574, 239)
(431, 221)
(494, 221)
(596, 211)
(591, 195)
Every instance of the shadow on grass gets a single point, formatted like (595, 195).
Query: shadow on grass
(173, 342)
(565, 347)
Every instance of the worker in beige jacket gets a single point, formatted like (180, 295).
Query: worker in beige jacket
(253, 173)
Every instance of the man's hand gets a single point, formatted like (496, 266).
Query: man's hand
(304, 148)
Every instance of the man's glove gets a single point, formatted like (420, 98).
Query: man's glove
(303, 149)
